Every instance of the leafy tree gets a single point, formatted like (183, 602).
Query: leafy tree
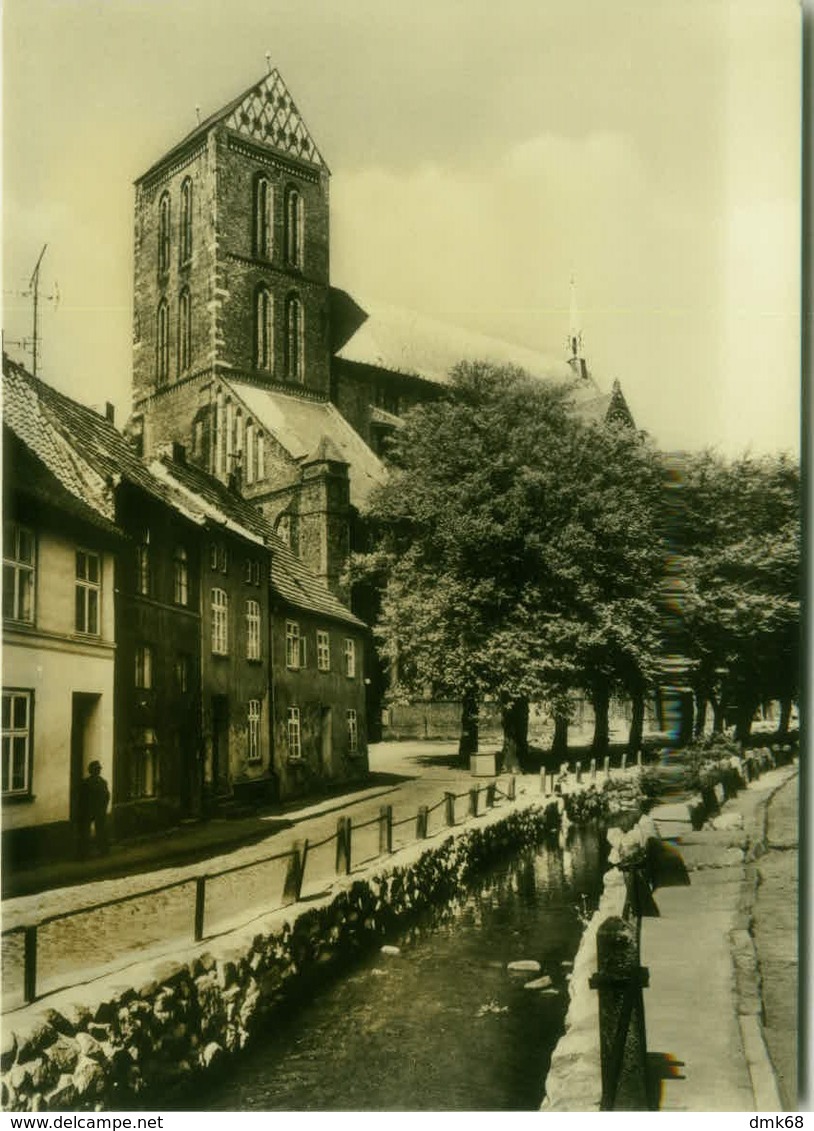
(516, 553)
(742, 541)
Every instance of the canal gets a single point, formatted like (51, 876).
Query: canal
(442, 1024)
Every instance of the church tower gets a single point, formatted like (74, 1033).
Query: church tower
(231, 280)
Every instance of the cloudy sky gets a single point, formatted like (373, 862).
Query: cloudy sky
(481, 154)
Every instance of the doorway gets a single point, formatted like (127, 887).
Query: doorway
(220, 742)
(84, 743)
(326, 741)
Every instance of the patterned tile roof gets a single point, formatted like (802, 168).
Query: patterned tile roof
(264, 113)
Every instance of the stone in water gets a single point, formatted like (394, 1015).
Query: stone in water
(392, 950)
(524, 966)
(539, 983)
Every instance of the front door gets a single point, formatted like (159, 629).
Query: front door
(83, 745)
(326, 740)
(220, 742)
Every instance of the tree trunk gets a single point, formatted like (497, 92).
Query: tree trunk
(634, 738)
(718, 715)
(743, 725)
(601, 704)
(515, 718)
(785, 718)
(468, 742)
(700, 714)
(559, 746)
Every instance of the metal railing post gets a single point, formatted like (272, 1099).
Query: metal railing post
(343, 841)
(292, 888)
(200, 905)
(30, 970)
(421, 822)
(449, 806)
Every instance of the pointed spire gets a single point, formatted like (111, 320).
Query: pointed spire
(576, 356)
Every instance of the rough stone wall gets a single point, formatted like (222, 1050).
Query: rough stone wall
(139, 1041)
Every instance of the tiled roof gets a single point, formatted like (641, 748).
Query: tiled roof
(300, 424)
(290, 577)
(265, 113)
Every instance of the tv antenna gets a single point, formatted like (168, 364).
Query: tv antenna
(33, 292)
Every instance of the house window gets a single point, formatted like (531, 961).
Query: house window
(186, 221)
(323, 651)
(144, 765)
(182, 673)
(261, 456)
(180, 576)
(253, 571)
(164, 233)
(294, 734)
(144, 667)
(353, 733)
(220, 622)
(162, 359)
(264, 329)
(253, 717)
(294, 228)
(184, 331)
(87, 592)
(294, 339)
(350, 659)
(218, 557)
(295, 647)
(17, 725)
(249, 452)
(18, 572)
(252, 630)
(263, 218)
(143, 572)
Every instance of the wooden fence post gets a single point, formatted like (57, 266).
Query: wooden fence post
(639, 759)
(296, 871)
(543, 780)
(200, 905)
(490, 794)
(449, 799)
(578, 775)
(622, 1040)
(386, 829)
(343, 845)
(593, 769)
(512, 791)
(421, 822)
(606, 767)
(30, 969)
(473, 801)
(624, 761)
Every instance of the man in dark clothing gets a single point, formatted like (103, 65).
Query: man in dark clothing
(94, 798)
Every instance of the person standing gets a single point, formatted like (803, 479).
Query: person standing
(94, 799)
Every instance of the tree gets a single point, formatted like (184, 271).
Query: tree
(517, 546)
(742, 540)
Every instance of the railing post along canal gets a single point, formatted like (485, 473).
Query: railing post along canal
(449, 808)
(624, 760)
(490, 794)
(593, 769)
(30, 969)
(343, 846)
(292, 887)
(386, 829)
(606, 767)
(200, 907)
(512, 792)
(421, 822)
(473, 801)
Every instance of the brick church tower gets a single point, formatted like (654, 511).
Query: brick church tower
(231, 343)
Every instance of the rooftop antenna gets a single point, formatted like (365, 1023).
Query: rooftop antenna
(268, 61)
(33, 291)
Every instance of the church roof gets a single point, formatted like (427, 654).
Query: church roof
(403, 341)
(264, 113)
(295, 422)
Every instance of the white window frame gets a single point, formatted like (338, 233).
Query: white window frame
(353, 731)
(220, 622)
(182, 672)
(144, 667)
(264, 329)
(13, 734)
(294, 228)
(184, 331)
(263, 218)
(294, 729)
(185, 249)
(293, 645)
(18, 568)
(180, 576)
(164, 233)
(88, 588)
(253, 751)
(253, 644)
(144, 771)
(143, 567)
(323, 650)
(350, 658)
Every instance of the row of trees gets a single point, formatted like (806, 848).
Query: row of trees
(520, 555)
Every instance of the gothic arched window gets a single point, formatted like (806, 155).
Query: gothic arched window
(294, 228)
(164, 233)
(249, 452)
(184, 331)
(263, 218)
(294, 339)
(186, 221)
(162, 360)
(264, 329)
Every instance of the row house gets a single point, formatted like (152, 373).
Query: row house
(179, 589)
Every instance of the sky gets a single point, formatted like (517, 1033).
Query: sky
(481, 154)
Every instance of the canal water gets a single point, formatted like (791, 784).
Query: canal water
(443, 1024)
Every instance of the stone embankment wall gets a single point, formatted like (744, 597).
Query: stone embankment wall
(153, 1029)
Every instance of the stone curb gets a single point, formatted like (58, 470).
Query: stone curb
(746, 967)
